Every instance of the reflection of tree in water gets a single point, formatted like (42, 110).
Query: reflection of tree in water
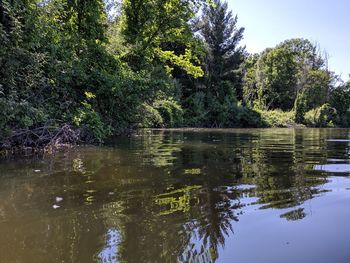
(162, 230)
(183, 216)
(160, 149)
(278, 166)
(294, 215)
(217, 212)
(193, 212)
(171, 198)
(185, 208)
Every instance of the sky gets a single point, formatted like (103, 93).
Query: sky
(325, 22)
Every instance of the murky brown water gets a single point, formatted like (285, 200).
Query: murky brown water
(275, 195)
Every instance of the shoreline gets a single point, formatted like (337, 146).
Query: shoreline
(53, 147)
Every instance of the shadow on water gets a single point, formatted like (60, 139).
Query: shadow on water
(168, 196)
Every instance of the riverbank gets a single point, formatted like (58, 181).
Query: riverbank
(50, 139)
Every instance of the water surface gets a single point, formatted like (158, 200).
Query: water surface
(273, 195)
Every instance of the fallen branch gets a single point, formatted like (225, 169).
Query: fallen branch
(41, 139)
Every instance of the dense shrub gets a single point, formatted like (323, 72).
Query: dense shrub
(248, 117)
(323, 116)
(91, 124)
(277, 118)
(300, 108)
(163, 113)
(195, 113)
(170, 111)
(150, 117)
(340, 100)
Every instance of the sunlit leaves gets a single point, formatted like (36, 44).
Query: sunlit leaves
(183, 61)
(149, 24)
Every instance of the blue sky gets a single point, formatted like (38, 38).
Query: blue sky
(269, 22)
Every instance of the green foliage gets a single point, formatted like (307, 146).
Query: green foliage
(276, 79)
(90, 121)
(277, 118)
(316, 88)
(250, 91)
(222, 111)
(224, 55)
(229, 113)
(212, 100)
(195, 112)
(163, 113)
(150, 117)
(340, 100)
(46, 69)
(23, 83)
(280, 77)
(248, 117)
(323, 116)
(183, 61)
(150, 26)
(171, 112)
(300, 107)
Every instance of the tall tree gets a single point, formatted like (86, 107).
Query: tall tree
(222, 37)
(215, 96)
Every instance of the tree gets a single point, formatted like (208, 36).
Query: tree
(276, 79)
(340, 100)
(148, 25)
(281, 77)
(22, 76)
(313, 93)
(217, 91)
(250, 85)
(89, 18)
(224, 55)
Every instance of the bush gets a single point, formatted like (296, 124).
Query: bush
(277, 118)
(228, 113)
(195, 112)
(19, 115)
(248, 117)
(93, 128)
(323, 116)
(150, 117)
(163, 113)
(170, 111)
(300, 108)
(340, 100)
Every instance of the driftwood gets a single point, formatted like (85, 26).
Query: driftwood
(41, 139)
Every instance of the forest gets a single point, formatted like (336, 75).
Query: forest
(84, 70)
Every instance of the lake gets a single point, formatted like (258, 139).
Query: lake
(246, 196)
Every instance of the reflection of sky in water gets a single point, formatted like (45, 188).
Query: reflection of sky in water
(110, 251)
(333, 168)
(338, 140)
